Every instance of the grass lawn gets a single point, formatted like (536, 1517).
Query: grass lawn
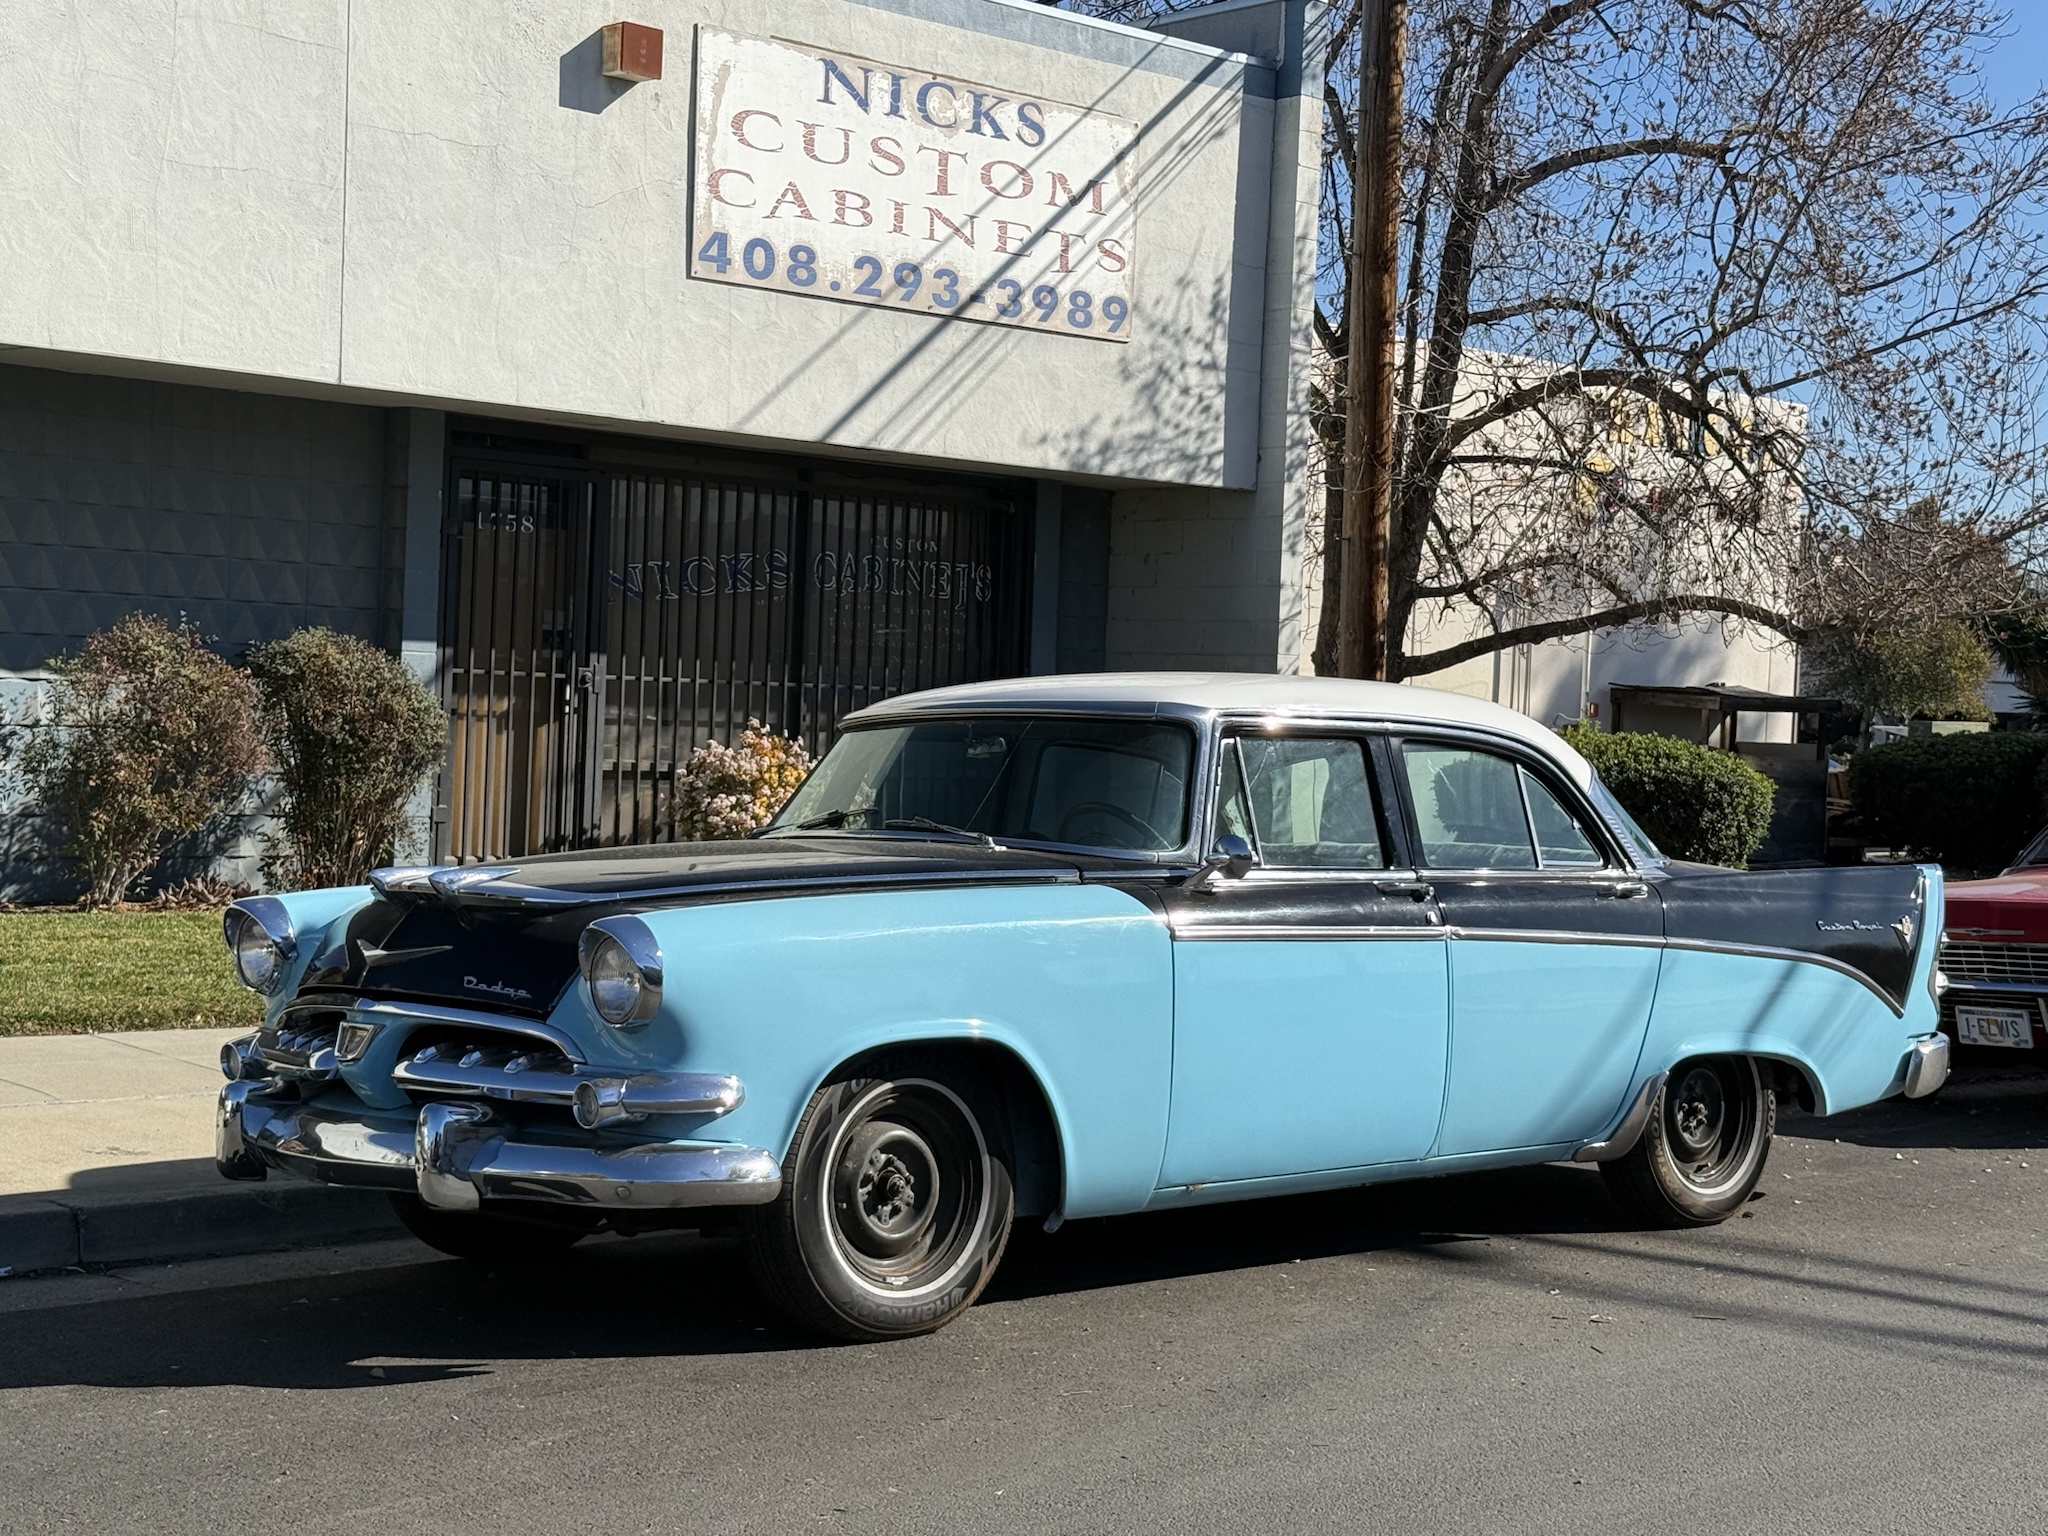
(67, 972)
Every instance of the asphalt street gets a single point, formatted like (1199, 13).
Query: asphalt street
(1865, 1349)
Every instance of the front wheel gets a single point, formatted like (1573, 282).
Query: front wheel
(896, 1202)
(1704, 1148)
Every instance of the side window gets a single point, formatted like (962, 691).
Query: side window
(1560, 841)
(1310, 802)
(1468, 808)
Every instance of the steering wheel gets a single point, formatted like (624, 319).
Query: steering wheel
(1116, 813)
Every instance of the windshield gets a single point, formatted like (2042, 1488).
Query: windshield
(1120, 785)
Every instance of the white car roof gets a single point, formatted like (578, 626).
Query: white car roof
(1239, 692)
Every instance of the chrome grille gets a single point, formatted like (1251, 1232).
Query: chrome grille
(508, 1053)
(301, 1043)
(1965, 960)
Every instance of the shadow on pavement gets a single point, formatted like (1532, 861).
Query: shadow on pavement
(1980, 1108)
(1437, 1215)
(690, 1295)
(686, 1295)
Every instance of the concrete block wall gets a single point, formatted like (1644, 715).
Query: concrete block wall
(249, 514)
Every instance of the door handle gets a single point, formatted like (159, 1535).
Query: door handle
(1420, 890)
(1626, 890)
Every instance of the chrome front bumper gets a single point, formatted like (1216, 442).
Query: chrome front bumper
(1926, 1066)
(457, 1155)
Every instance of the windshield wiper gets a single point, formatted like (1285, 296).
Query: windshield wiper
(829, 819)
(926, 824)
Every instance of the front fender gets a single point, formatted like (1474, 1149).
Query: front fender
(1076, 980)
(317, 918)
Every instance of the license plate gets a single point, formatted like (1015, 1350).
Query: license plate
(2012, 1027)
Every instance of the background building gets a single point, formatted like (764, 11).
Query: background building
(872, 345)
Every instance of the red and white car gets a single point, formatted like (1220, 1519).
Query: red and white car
(1994, 952)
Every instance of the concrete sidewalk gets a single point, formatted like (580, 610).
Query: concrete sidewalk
(106, 1157)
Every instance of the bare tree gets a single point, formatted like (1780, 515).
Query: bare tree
(1704, 302)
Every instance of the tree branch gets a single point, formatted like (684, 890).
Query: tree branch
(1656, 608)
(1514, 185)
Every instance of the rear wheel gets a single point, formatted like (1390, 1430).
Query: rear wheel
(896, 1202)
(487, 1234)
(1704, 1148)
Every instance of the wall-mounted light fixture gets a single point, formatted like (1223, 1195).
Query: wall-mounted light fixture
(631, 51)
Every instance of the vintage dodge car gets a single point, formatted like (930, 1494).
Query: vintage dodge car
(1068, 947)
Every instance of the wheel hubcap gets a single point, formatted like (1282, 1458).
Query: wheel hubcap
(889, 1187)
(1698, 1112)
(1712, 1123)
(906, 1182)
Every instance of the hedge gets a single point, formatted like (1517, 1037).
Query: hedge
(1968, 801)
(1698, 804)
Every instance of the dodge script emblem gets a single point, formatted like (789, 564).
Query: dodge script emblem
(497, 987)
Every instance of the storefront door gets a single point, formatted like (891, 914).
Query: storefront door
(600, 625)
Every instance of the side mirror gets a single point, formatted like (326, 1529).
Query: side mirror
(1233, 860)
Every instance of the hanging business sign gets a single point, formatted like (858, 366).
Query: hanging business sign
(836, 177)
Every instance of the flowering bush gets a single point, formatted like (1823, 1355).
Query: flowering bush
(729, 791)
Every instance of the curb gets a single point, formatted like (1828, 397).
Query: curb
(55, 1232)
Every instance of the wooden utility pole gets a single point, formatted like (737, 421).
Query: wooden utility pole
(1369, 362)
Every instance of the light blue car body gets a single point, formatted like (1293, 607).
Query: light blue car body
(1177, 1071)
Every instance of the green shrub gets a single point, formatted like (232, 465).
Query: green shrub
(352, 734)
(1969, 801)
(149, 738)
(1699, 804)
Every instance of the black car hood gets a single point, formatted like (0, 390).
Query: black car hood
(503, 937)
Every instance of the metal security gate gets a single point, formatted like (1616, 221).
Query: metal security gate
(601, 625)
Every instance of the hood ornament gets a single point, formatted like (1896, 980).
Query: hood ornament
(375, 956)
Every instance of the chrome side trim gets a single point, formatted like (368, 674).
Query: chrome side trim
(1926, 1066)
(640, 1094)
(367, 1010)
(517, 893)
(1214, 933)
(1558, 936)
(1622, 1140)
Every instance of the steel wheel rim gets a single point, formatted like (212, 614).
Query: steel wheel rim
(906, 1185)
(1710, 1120)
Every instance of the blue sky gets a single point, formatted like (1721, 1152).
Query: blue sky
(2018, 66)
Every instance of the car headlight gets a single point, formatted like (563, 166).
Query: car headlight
(622, 967)
(259, 937)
